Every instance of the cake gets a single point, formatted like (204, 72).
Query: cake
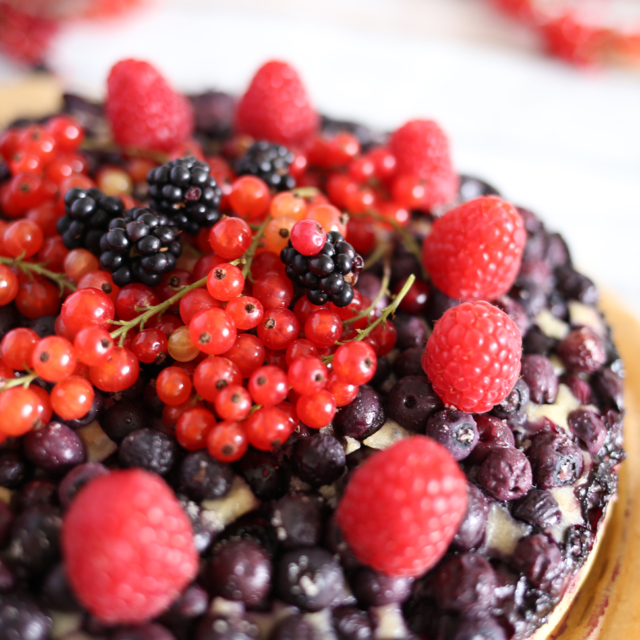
(222, 422)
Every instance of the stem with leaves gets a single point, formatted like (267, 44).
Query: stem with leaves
(386, 312)
(38, 268)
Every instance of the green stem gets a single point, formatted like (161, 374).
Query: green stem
(305, 192)
(386, 312)
(125, 327)
(251, 251)
(380, 251)
(37, 267)
(383, 289)
(25, 381)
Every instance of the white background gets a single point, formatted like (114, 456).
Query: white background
(563, 142)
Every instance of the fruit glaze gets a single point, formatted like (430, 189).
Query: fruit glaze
(271, 375)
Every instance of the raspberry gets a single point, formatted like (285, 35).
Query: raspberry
(403, 506)
(128, 547)
(276, 106)
(24, 37)
(473, 356)
(422, 149)
(474, 251)
(144, 111)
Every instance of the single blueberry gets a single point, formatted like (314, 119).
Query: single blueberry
(505, 474)
(411, 402)
(454, 430)
(363, 417)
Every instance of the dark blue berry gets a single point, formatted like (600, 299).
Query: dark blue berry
(319, 459)
(471, 188)
(479, 628)
(409, 363)
(411, 402)
(12, 469)
(588, 428)
(493, 433)
(202, 477)
(608, 385)
(240, 570)
(297, 521)
(352, 624)
(7, 577)
(269, 162)
(555, 459)
(309, 579)
(294, 627)
(43, 326)
(123, 418)
(575, 286)
(539, 559)
(373, 589)
(37, 492)
(538, 508)
(454, 430)
(515, 403)
(266, 476)
(57, 592)
(582, 351)
(149, 449)
(505, 474)
(411, 332)
(95, 411)
(55, 448)
(147, 631)
(537, 371)
(22, 619)
(472, 529)
(6, 518)
(77, 478)
(363, 417)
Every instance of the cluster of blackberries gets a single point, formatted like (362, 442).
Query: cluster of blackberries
(269, 162)
(328, 275)
(185, 191)
(140, 247)
(88, 213)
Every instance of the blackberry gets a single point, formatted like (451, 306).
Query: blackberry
(88, 213)
(186, 193)
(269, 162)
(140, 247)
(328, 275)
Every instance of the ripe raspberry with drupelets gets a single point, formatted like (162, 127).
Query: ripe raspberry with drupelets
(186, 319)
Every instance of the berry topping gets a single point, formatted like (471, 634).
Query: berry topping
(144, 111)
(120, 575)
(270, 162)
(402, 507)
(583, 351)
(473, 356)
(276, 107)
(473, 251)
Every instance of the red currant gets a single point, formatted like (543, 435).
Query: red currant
(22, 237)
(266, 262)
(66, 132)
(181, 347)
(53, 253)
(355, 362)
(80, 262)
(150, 345)
(230, 238)
(212, 331)
(46, 216)
(93, 346)
(308, 237)
(289, 205)
(233, 403)
(173, 386)
(101, 280)
(250, 197)
(37, 297)
(273, 290)
(134, 299)
(227, 441)
(277, 234)
(307, 375)
(212, 375)
(362, 236)
(195, 301)
(343, 392)
(323, 328)
(8, 285)
(268, 385)
(19, 411)
(298, 348)
(303, 308)
(72, 398)
(17, 348)
(172, 283)
(278, 329)
(193, 427)
(225, 282)
(316, 411)
(417, 298)
(45, 410)
(247, 353)
(85, 308)
(205, 264)
(54, 359)
(118, 373)
(246, 312)
(330, 217)
(268, 428)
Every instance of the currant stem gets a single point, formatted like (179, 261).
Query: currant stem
(37, 267)
(386, 276)
(386, 312)
(25, 381)
(380, 251)
(152, 311)
(251, 251)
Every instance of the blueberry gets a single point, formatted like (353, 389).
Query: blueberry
(266, 476)
(6, 518)
(411, 332)
(409, 363)
(43, 326)
(536, 272)
(12, 469)
(357, 457)
(556, 461)
(373, 589)
(608, 385)
(403, 266)
(309, 579)
(538, 508)
(515, 403)
(232, 627)
(352, 624)
(96, 409)
(588, 428)
(557, 253)
(472, 529)
(471, 188)
(580, 388)
(454, 430)
(479, 628)
(539, 559)
(147, 631)
(383, 371)
(240, 570)
(34, 538)
(583, 351)
(492, 433)
(334, 541)
(530, 296)
(464, 583)
(149, 449)
(55, 448)
(319, 459)
(7, 577)
(536, 342)
(192, 603)
(575, 286)
(297, 521)
(537, 371)
(363, 417)
(76, 479)
(411, 402)
(294, 627)
(57, 592)
(9, 318)
(37, 492)
(438, 304)
(123, 418)
(201, 477)
(505, 474)
(22, 619)
(515, 311)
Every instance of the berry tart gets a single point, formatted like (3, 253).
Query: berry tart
(269, 376)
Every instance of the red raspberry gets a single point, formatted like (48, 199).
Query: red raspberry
(144, 111)
(23, 36)
(474, 251)
(128, 547)
(276, 106)
(473, 356)
(403, 506)
(421, 149)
